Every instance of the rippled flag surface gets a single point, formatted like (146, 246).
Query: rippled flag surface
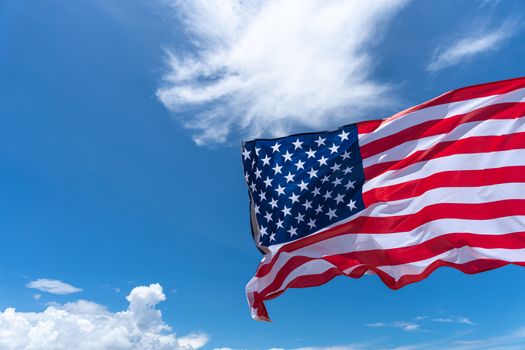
(439, 184)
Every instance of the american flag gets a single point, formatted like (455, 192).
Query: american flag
(439, 184)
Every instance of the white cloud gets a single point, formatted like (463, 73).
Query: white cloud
(270, 67)
(407, 326)
(478, 42)
(463, 320)
(53, 286)
(84, 325)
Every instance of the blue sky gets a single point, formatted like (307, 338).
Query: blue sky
(120, 164)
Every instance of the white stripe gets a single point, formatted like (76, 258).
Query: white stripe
(479, 128)
(456, 162)
(477, 194)
(370, 241)
(443, 111)
(459, 256)
(313, 267)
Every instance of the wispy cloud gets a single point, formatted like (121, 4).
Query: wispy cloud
(513, 340)
(269, 67)
(406, 326)
(417, 323)
(477, 42)
(461, 320)
(86, 325)
(53, 286)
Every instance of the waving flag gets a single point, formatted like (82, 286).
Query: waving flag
(439, 184)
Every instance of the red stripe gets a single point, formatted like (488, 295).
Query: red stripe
(403, 255)
(402, 223)
(443, 126)
(472, 267)
(462, 178)
(368, 126)
(466, 93)
(470, 145)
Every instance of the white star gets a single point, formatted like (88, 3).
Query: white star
(277, 169)
(287, 156)
(257, 149)
(272, 237)
(320, 141)
(279, 224)
(319, 209)
(327, 195)
(331, 214)
(246, 154)
(273, 203)
(252, 187)
(286, 211)
(303, 185)
(335, 167)
(343, 135)
(289, 177)
(307, 204)
(256, 209)
(294, 198)
(280, 190)
(316, 192)
(324, 179)
(350, 184)
(297, 144)
(312, 173)
(299, 217)
(266, 160)
(292, 231)
(345, 155)
(311, 154)
(352, 205)
(262, 230)
(322, 160)
(268, 181)
(275, 147)
(262, 196)
(333, 149)
(348, 170)
(339, 198)
(311, 223)
(253, 163)
(258, 173)
(246, 177)
(299, 164)
(268, 217)
(337, 181)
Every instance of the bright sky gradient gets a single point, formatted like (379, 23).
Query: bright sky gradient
(121, 187)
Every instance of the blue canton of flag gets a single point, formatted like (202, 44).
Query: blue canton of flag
(302, 184)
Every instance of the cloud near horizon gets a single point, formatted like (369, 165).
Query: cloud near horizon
(85, 325)
(268, 68)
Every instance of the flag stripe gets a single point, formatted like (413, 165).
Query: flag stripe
(463, 131)
(439, 112)
(447, 179)
(397, 275)
(456, 162)
(478, 144)
(443, 126)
